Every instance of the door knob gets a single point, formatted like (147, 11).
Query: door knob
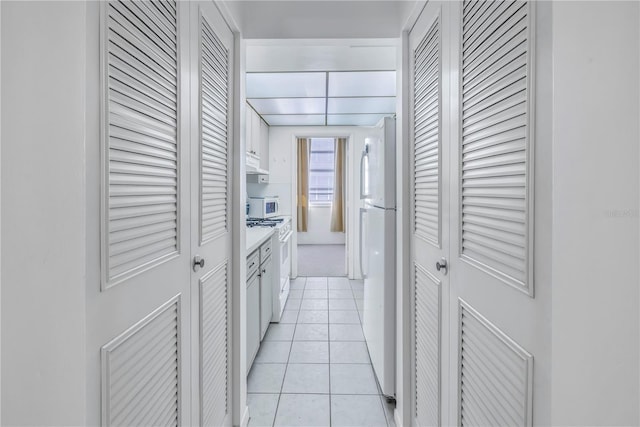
(198, 263)
(442, 265)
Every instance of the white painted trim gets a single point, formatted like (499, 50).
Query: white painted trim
(245, 417)
(238, 230)
(328, 131)
(397, 418)
(403, 238)
(413, 17)
(0, 212)
(324, 42)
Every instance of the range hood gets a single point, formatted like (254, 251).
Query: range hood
(253, 170)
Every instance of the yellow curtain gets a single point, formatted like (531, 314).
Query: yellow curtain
(337, 204)
(303, 183)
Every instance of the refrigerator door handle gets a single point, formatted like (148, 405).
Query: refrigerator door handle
(365, 154)
(362, 212)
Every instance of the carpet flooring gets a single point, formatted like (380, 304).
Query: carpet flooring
(321, 260)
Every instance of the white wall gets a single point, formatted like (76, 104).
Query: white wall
(43, 213)
(595, 213)
(282, 175)
(318, 226)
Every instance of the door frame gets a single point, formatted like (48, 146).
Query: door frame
(350, 179)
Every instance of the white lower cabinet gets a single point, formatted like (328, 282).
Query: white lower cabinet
(253, 308)
(259, 298)
(253, 319)
(266, 295)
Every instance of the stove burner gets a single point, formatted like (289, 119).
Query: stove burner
(257, 222)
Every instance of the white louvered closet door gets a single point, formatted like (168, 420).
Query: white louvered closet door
(430, 139)
(495, 319)
(138, 319)
(211, 154)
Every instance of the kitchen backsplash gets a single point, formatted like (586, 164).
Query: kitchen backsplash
(281, 190)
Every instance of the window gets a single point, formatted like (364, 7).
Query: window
(321, 170)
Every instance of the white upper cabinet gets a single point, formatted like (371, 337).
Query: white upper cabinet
(264, 145)
(257, 141)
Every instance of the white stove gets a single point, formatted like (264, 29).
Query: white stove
(282, 259)
(264, 222)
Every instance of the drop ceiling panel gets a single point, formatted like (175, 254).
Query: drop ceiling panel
(362, 105)
(295, 120)
(354, 119)
(286, 85)
(321, 55)
(288, 105)
(366, 83)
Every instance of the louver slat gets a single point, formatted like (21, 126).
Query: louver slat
(495, 151)
(214, 135)
(214, 346)
(427, 339)
(426, 160)
(141, 137)
(141, 371)
(495, 374)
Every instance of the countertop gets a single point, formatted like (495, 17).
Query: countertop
(257, 236)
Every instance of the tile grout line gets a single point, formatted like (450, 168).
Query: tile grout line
(381, 397)
(329, 350)
(286, 368)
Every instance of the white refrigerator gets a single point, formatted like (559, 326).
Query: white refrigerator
(377, 250)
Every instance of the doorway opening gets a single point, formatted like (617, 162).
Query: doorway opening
(322, 225)
(318, 102)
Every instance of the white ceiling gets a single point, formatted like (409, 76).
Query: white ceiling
(321, 55)
(268, 19)
(325, 37)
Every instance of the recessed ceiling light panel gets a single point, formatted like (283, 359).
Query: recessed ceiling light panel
(288, 105)
(362, 83)
(286, 85)
(384, 105)
(354, 119)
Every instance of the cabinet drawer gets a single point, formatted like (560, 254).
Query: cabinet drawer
(265, 251)
(253, 262)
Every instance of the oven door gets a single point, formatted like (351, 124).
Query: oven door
(285, 259)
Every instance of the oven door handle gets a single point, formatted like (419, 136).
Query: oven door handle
(363, 211)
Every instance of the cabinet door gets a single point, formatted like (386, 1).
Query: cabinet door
(255, 133)
(264, 145)
(249, 128)
(266, 295)
(253, 319)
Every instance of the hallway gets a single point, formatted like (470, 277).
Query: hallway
(313, 369)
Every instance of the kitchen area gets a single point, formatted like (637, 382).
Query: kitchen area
(320, 340)
(268, 242)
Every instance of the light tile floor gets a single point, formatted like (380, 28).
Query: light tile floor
(313, 368)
